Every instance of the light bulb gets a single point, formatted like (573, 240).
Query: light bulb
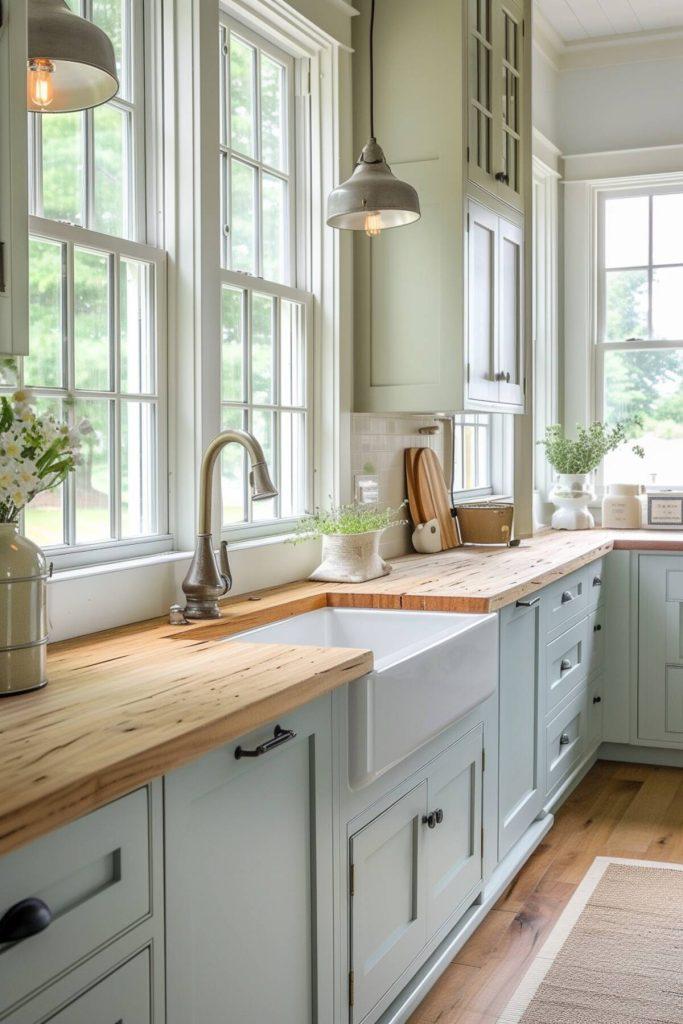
(41, 89)
(372, 224)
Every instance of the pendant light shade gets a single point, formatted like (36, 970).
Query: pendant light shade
(373, 198)
(71, 63)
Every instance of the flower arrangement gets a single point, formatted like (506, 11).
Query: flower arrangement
(350, 519)
(36, 452)
(592, 444)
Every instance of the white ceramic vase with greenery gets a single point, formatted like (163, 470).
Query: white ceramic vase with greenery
(351, 537)
(36, 454)
(575, 460)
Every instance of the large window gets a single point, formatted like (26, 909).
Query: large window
(96, 323)
(639, 365)
(265, 313)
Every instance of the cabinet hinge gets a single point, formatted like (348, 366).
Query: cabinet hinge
(483, 760)
(524, 386)
(468, 373)
(352, 879)
(468, 154)
(468, 223)
(523, 26)
(352, 988)
(482, 839)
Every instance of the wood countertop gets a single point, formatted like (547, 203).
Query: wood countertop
(127, 705)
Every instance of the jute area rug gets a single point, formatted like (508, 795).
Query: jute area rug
(615, 955)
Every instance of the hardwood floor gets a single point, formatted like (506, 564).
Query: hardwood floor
(620, 810)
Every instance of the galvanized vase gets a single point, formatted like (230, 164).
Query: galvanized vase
(23, 613)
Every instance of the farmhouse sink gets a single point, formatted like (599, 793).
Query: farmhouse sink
(431, 669)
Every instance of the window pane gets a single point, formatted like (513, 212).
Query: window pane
(138, 469)
(667, 229)
(92, 355)
(112, 17)
(483, 457)
(292, 354)
(112, 128)
(627, 232)
(243, 227)
(232, 346)
(626, 302)
(9, 372)
(262, 349)
(43, 367)
(44, 516)
(469, 457)
(263, 427)
(93, 479)
(273, 129)
(242, 105)
(233, 469)
(135, 311)
(667, 304)
(648, 384)
(292, 463)
(274, 223)
(63, 173)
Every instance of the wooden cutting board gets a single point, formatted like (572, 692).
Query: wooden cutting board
(427, 494)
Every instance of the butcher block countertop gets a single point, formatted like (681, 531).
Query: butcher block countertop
(126, 706)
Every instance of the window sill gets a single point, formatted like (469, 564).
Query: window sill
(483, 499)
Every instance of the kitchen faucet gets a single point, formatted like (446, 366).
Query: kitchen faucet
(206, 579)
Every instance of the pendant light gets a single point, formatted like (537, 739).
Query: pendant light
(373, 198)
(71, 63)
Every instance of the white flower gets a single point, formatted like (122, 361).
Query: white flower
(24, 413)
(11, 446)
(18, 497)
(85, 427)
(23, 397)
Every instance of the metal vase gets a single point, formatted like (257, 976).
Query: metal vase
(23, 613)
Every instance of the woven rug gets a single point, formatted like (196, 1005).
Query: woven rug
(615, 955)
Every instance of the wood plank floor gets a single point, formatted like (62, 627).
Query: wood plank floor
(619, 810)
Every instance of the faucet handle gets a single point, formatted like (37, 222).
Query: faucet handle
(224, 565)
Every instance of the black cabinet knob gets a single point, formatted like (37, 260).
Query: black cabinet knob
(502, 176)
(597, 700)
(26, 918)
(597, 628)
(433, 819)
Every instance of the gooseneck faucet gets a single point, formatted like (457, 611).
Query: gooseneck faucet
(206, 579)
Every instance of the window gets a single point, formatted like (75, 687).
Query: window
(639, 363)
(265, 317)
(472, 454)
(96, 322)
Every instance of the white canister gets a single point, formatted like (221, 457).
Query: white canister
(622, 507)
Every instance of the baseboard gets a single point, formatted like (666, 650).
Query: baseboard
(432, 969)
(665, 756)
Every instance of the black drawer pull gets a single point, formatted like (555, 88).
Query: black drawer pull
(565, 665)
(279, 737)
(567, 596)
(433, 819)
(502, 176)
(597, 581)
(527, 604)
(597, 700)
(597, 628)
(26, 918)
(564, 739)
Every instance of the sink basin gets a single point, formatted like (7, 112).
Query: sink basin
(431, 668)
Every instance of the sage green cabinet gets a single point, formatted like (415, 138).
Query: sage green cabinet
(13, 180)
(660, 650)
(249, 879)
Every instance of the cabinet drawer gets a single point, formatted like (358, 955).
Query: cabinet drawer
(565, 741)
(595, 576)
(596, 640)
(566, 662)
(564, 601)
(94, 877)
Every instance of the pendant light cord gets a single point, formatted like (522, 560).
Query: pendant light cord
(372, 70)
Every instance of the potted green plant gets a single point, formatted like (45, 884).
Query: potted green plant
(351, 536)
(574, 460)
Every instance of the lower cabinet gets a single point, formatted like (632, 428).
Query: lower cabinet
(660, 650)
(412, 868)
(249, 883)
(121, 998)
(521, 763)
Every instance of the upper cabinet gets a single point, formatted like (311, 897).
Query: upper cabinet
(13, 180)
(497, 131)
(440, 312)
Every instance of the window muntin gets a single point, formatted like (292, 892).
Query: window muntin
(266, 316)
(639, 353)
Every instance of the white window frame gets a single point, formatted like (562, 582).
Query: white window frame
(299, 262)
(500, 431)
(599, 345)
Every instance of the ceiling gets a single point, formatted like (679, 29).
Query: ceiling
(576, 20)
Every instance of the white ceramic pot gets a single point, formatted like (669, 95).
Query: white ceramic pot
(23, 612)
(351, 558)
(571, 495)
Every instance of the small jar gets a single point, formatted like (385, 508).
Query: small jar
(622, 507)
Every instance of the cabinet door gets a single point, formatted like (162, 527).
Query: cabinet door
(520, 793)
(510, 347)
(13, 180)
(508, 92)
(123, 997)
(249, 880)
(482, 228)
(453, 845)
(480, 92)
(388, 923)
(660, 643)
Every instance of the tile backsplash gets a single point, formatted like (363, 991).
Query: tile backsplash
(377, 447)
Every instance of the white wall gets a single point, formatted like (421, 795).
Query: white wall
(627, 106)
